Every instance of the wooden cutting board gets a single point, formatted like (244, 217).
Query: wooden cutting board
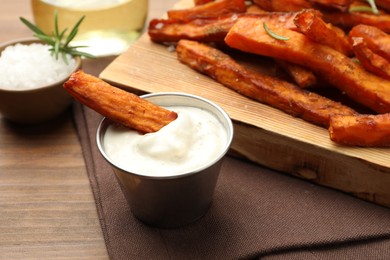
(263, 134)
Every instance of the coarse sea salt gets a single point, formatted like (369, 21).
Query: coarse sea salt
(31, 66)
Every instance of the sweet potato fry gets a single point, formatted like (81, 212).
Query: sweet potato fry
(341, 5)
(283, 5)
(248, 35)
(360, 130)
(207, 29)
(269, 90)
(204, 30)
(302, 76)
(284, 19)
(207, 10)
(377, 40)
(120, 106)
(310, 23)
(202, 2)
(255, 9)
(348, 20)
(370, 60)
(384, 4)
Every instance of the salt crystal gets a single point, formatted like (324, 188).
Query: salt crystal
(171, 48)
(159, 26)
(31, 66)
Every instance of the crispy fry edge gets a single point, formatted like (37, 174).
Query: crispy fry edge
(118, 105)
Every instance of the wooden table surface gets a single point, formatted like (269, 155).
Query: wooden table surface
(47, 209)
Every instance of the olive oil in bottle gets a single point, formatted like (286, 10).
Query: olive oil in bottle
(109, 27)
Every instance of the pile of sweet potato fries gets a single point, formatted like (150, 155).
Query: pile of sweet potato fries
(339, 44)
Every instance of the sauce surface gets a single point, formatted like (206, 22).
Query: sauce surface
(189, 143)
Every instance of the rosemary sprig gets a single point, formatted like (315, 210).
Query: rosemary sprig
(274, 35)
(373, 6)
(57, 40)
(363, 8)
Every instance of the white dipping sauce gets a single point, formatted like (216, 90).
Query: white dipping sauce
(186, 144)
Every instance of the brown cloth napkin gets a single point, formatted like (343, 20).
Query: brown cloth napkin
(256, 213)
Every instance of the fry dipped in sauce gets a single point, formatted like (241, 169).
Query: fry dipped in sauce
(118, 105)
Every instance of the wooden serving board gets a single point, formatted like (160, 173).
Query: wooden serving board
(263, 134)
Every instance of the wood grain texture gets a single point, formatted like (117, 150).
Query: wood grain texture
(47, 210)
(46, 205)
(262, 134)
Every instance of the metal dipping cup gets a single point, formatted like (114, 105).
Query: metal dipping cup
(176, 200)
